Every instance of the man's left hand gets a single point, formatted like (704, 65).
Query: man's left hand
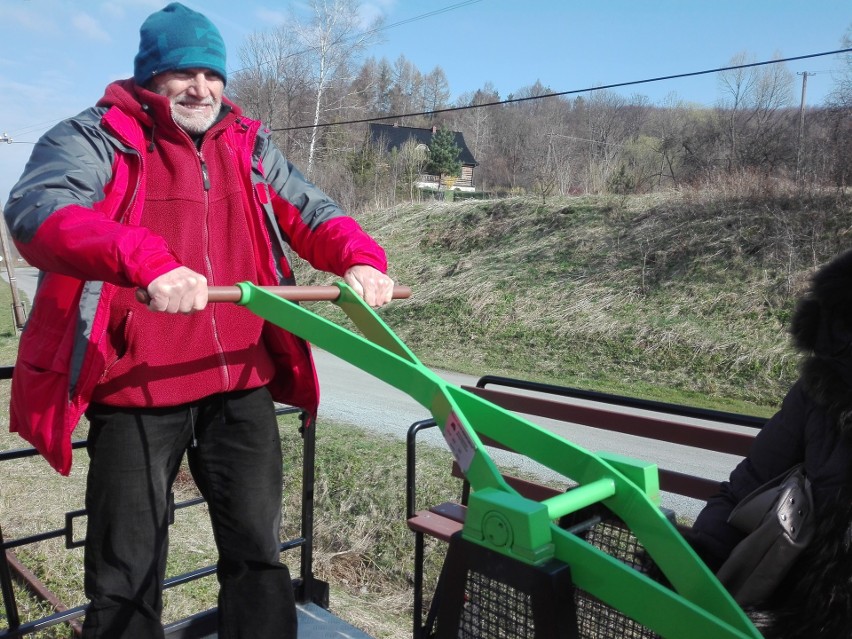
(372, 285)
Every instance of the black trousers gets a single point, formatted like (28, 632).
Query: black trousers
(234, 453)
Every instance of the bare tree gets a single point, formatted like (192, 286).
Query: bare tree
(607, 130)
(409, 164)
(519, 124)
(406, 89)
(841, 95)
(371, 87)
(546, 165)
(478, 125)
(272, 86)
(754, 96)
(332, 39)
(669, 127)
(436, 90)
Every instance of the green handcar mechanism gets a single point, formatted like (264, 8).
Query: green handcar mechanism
(691, 605)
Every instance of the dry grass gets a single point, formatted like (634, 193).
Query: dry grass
(684, 296)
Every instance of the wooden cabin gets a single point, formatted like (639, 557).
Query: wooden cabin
(391, 137)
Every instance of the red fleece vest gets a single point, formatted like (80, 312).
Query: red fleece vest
(196, 203)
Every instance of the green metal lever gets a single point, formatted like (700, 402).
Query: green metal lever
(695, 607)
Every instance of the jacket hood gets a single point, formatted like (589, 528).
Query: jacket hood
(822, 330)
(124, 94)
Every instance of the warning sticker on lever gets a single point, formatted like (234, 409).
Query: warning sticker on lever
(459, 441)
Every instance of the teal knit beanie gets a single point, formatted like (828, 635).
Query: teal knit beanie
(176, 38)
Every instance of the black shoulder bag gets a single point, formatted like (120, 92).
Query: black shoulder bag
(778, 520)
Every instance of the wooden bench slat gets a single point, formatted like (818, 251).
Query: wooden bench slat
(530, 490)
(662, 429)
(450, 510)
(434, 525)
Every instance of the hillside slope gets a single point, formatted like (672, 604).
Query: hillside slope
(682, 297)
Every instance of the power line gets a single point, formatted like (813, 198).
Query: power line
(430, 14)
(416, 18)
(550, 95)
(571, 92)
(34, 127)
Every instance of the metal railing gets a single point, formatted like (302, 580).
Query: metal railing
(201, 624)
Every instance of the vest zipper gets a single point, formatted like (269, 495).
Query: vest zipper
(226, 378)
(205, 176)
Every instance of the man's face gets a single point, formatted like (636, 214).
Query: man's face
(195, 96)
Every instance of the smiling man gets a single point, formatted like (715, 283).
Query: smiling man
(167, 187)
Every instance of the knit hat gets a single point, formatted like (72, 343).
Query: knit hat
(175, 38)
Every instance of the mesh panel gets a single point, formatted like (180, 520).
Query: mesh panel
(595, 619)
(494, 610)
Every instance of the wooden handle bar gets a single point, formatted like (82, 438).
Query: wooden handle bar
(292, 293)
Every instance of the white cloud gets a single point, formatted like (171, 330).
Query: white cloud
(90, 28)
(119, 8)
(375, 9)
(27, 17)
(271, 17)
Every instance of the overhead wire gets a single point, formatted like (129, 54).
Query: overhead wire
(399, 23)
(602, 87)
(562, 93)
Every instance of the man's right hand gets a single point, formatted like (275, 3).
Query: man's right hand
(181, 290)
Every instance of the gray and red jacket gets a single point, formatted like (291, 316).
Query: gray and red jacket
(75, 214)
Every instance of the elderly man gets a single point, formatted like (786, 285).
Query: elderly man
(167, 187)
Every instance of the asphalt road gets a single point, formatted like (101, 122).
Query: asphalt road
(351, 396)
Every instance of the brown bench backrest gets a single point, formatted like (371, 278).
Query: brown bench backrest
(661, 429)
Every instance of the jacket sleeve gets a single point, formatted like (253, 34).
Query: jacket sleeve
(314, 224)
(64, 213)
(779, 445)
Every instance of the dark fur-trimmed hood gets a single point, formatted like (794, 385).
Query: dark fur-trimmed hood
(822, 330)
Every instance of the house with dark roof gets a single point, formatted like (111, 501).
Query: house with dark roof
(392, 137)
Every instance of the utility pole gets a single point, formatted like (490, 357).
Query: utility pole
(20, 315)
(804, 75)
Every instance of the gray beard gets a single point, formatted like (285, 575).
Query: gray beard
(196, 124)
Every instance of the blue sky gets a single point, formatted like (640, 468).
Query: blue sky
(56, 56)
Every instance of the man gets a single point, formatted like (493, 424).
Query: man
(165, 186)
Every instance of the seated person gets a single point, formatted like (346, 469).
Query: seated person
(812, 427)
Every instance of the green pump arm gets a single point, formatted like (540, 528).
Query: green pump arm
(695, 607)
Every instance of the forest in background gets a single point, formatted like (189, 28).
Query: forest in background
(309, 80)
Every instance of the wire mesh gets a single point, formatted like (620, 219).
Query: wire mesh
(494, 609)
(595, 619)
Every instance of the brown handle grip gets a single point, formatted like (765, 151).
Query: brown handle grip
(292, 293)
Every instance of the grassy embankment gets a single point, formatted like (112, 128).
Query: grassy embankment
(681, 298)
